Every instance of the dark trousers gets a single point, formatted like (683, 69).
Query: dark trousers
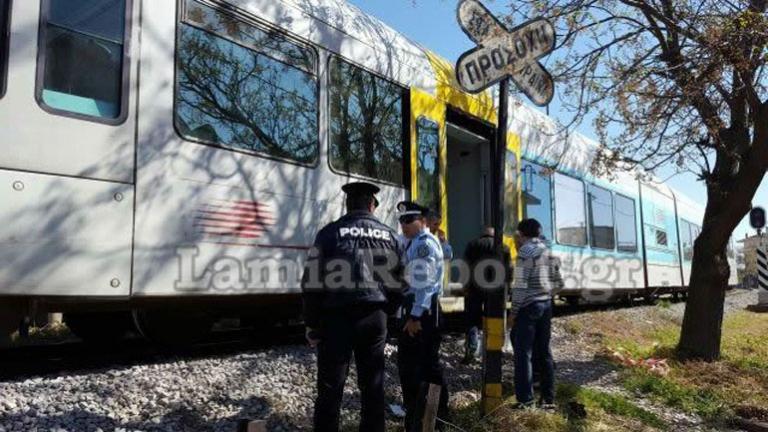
(473, 313)
(418, 361)
(531, 337)
(362, 331)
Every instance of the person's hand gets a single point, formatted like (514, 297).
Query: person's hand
(441, 235)
(312, 337)
(412, 327)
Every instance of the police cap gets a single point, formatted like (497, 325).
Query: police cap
(362, 189)
(406, 208)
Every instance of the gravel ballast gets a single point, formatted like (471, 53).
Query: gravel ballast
(275, 384)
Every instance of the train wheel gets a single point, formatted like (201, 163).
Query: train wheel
(173, 327)
(99, 327)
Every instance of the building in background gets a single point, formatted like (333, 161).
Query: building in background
(746, 261)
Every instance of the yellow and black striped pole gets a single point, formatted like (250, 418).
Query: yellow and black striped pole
(493, 322)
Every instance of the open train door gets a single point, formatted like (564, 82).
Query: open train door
(428, 165)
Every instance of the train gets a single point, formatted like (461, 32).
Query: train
(167, 163)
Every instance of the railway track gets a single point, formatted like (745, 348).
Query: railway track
(72, 356)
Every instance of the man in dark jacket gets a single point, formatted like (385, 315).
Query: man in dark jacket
(353, 264)
(479, 253)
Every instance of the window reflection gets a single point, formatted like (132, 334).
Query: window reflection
(427, 142)
(626, 232)
(537, 196)
(601, 218)
(5, 20)
(570, 218)
(241, 87)
(510, 193)
(83, 56)
(367, 123)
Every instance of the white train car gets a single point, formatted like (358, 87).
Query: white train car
(171, 161)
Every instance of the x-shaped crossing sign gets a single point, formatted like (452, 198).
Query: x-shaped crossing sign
(505, 53)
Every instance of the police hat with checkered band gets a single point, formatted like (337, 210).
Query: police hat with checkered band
(362, 189)
(410, 208)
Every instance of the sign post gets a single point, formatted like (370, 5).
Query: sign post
(757, 221)
(762, 274)
(501, 55)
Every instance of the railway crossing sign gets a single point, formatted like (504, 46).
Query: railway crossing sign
(503, 53)
(762, 273)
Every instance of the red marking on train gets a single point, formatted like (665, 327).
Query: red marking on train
(233, 219)
(233, 243)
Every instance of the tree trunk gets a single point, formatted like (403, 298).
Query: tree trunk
(702, 324)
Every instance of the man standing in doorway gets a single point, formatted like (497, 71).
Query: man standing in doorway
(345, 296)
(480, 257)
(419, 344)
(434, 220)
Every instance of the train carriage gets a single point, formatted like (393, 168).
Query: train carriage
(173, 160)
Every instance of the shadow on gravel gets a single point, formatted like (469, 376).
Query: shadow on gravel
(583, 372)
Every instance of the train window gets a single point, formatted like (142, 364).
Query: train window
(687, 238)
(601, 227)
(81, 67)
(537, 196)
(241, 87)
(570, 218)
(5, 24)
(368, 124)
(510, 193)
(427, 154)
(626, 231)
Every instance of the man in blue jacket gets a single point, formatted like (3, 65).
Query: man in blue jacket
(349, 271)
(419, 343)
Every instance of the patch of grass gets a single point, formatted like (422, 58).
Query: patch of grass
(609, 403)
(573, 327)
(745, 340)
(711, 390)
(664, 304)
(705, 402)
(579, 409)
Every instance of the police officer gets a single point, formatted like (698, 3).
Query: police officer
(349, 270)
(419, 343)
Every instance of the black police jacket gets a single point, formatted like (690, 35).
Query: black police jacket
(355, 261)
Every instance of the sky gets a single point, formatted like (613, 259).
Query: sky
(432, 23)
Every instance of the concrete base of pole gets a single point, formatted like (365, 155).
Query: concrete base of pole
(762, 302)
(762, 297)
(252, 426)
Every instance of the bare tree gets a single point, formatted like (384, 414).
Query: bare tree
(673, 82)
